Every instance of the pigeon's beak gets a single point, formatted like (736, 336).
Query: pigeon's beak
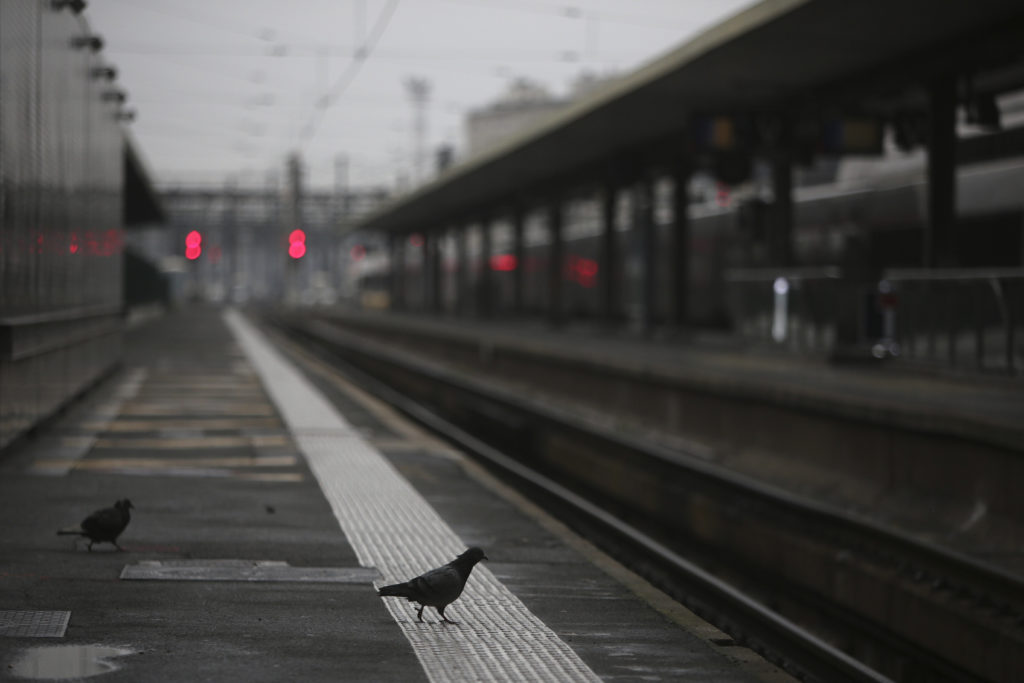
(485, 558)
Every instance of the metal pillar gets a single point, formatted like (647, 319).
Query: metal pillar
(392, 276)
(461, 269)
(780, 237)
(644, 193)
(519, 252)
(432, 271)
(555, 262)
(609, 256)
(396, 244)
(680, 242)
(485, 286)
(939, 244)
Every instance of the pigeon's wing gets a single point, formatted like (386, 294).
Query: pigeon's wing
(438, 587)
(107, 520)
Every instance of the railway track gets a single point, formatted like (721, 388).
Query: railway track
(824, 595)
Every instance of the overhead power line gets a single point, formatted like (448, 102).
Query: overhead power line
(569, 11)
(176, 11)
(345, 80)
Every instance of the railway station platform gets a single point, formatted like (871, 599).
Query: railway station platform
(966, 404)
(267, 507)
(921, 450)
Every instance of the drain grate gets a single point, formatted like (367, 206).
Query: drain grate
(244, 570)
(33, 624)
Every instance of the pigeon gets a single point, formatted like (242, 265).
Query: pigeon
(103, 526)
(439, 587)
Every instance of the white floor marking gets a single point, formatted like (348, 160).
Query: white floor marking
(391, 527)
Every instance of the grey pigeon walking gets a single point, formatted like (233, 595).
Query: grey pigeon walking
(103, 526)
(439, 587)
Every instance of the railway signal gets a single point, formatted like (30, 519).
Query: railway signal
(297, 244)
(193, 245)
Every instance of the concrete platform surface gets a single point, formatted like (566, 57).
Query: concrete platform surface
(268, 504)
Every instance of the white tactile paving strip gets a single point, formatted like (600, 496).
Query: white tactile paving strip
(391, 527)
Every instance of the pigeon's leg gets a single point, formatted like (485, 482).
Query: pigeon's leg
(419, 614)
(90, 545)
(440, 610)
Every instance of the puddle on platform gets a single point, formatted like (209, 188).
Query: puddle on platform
(66, 661)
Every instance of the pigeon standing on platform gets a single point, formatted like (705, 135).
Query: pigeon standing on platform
(103, 526)
(439, 587)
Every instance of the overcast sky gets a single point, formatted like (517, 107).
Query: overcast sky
(224, 90)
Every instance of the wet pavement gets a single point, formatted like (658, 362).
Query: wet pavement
(235, 566)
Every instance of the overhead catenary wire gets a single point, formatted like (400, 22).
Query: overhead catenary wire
(579, 12)
(176, 11)
(209, 62)
(345, 80)
(309, 50)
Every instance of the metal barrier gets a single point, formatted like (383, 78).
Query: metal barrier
(967, 318)
(794, 307)
(959, 318)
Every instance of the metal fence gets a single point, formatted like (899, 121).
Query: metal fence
(795, 308)
(961, 318)
(970, 319)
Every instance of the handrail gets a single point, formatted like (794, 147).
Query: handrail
(951, 274)
(994, 280)
(956, 317)
(771, 274)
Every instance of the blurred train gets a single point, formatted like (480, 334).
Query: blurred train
(862, 215)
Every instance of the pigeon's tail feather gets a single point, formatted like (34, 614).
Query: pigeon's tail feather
(399, 590)
(71, 531)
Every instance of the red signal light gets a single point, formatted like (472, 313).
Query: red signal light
(297, 244)
(193, 245)
(358, 252)
(503, 262)
(582, 270)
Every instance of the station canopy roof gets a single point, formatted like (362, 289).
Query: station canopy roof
(141, 204)
(778, 54)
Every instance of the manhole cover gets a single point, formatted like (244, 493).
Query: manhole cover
(33, 624)
(244, 570)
